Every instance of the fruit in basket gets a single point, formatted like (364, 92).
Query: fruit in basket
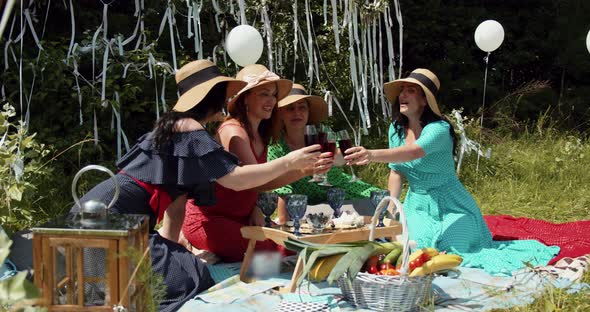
(393, 255)
(438, 263)
(323, 267)
(418, 257)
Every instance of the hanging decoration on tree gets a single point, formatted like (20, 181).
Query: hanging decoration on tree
(489, 35)
(588, 41)
(244, 45)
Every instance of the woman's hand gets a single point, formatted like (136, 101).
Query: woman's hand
(303, 157)
(256, 217)
(323, 164)
(205, 255)
(357, 155)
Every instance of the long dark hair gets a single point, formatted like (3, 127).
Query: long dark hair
(400, 121)
(240, 114)
(211, 104)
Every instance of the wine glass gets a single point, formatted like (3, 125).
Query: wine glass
(329, 145)
(375, 199)
(345, 143)
(296, 206)
(335, 200)
(267, 202)
(310, 135)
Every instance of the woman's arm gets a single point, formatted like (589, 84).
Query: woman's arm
(394, 183)
(359, 155)
(235, 139)
(173, 219)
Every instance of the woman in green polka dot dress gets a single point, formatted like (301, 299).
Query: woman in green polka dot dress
(440, 211)
(295, 111)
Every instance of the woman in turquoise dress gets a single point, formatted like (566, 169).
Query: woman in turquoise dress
(440, 211)
(295, 112)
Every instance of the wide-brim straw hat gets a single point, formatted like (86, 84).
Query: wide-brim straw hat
(256, 75)
(426, 79)
(196, 79)
(318, 108)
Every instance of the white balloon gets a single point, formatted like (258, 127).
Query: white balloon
(489, 35)
(244, 45)
(588, 41)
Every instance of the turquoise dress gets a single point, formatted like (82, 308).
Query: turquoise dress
(316, 193)
(442, 214)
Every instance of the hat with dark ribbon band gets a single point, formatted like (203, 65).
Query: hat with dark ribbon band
(194, 81)
(426, 79)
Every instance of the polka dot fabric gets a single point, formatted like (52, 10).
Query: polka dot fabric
(441, 213)
(315, 192)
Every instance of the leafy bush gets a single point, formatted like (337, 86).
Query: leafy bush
(21, 171)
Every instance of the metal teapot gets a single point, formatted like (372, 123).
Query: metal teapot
(93, 213)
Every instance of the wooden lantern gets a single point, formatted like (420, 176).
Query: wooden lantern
(89, 269)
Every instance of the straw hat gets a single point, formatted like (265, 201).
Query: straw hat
(318, 108)
(196, 79)
(258, 75)
(422, 77)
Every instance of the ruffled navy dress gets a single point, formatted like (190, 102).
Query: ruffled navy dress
(190, 165)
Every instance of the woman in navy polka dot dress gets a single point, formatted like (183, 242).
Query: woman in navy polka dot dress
(178, 161)
(440, 211)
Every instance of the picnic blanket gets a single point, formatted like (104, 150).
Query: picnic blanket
(573, 238)
(469, 289)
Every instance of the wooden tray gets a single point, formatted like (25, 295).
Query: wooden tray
(257, 233)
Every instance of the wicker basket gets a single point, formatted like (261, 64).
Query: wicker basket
(388, 293)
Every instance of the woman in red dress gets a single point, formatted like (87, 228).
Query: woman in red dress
(214, 231)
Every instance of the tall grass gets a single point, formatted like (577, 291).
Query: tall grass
(537, 172)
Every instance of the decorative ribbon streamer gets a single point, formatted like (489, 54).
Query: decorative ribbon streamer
(398, 15)
(483, 103)
(466, 144)
(5, 15)
(309, 44)
(73, 27)
(268, 33)
(328, 97)
(105, 61)
(296, 31)
(335, 26)
(242, 5)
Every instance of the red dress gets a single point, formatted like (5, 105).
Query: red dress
(217, 228)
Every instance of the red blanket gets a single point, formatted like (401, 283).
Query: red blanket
(573, 238)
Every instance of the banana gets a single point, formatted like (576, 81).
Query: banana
(439, 262)
(322, 268)
(429, 251)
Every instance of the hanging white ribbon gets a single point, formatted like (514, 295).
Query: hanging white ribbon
(197, 28)
(309, 45)
(335, 26)
(268, 34)
(105, 61)
(466, 145)
(6, 15)
(242, 5)
(325, 12)
(296, 31)
(33, 32)
(328, 97)
(171, 28)
(73, 28)
(391, 54)
(398, 15)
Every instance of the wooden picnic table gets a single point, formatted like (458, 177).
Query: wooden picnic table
(279, 236)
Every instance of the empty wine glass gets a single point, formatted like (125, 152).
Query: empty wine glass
(345, 143)
(329, 145)
(375, 199)
(335, 198)
(311, 137)
(267, 202)
(296, 206)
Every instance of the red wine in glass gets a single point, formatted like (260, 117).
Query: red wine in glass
(329, 146)
(311, 139)
(344, 145)
(322, 137)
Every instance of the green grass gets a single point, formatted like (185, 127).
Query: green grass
(539, 174)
